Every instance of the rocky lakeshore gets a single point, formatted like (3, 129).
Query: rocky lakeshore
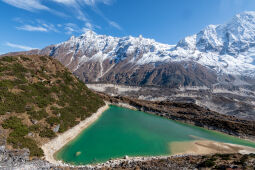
(217, 161)
(20, 160)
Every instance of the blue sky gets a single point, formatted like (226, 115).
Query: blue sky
(27, 24)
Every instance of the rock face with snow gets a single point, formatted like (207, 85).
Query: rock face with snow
(218, 54)
(228, 48)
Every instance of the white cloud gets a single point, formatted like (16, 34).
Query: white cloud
(22, 47)
(89, 26)
(71, 28)
(48, 27)
(66, 2)
(115, 25)
(81, 15)
(32, 28)
(76, 7)
(94, 2)
(86, 2)
(37, 25)
(100, 13)
(30, 5)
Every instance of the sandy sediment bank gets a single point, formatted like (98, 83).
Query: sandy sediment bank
(182, 149)
(203, 147)
(61, 140)
(125, 105)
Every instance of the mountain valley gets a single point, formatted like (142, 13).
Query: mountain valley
(206, 80)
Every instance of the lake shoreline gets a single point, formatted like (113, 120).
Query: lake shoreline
(52, 147)
(133, 159)
(61, 140)
(117, 161)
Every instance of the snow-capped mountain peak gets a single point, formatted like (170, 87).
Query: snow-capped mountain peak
(227, 49)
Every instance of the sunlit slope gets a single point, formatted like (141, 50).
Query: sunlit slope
(40, 98)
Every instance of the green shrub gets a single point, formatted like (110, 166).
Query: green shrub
(32, 146)
(43, 58)
(18, 68)
(52, 121)
(61, 103)
(19, 132)
(23, 142)
(67, 76)
(225, 156)
(6, 84)
(208, 163)
(39, 115)
(4, 68)
(2, 110)
(243, 159)
(17, 139)
(34, 128)
(15, 124)
(25, 58)
(47, 133)
(40, 89)
(42, 102)
(14, 102)
(63, 127)
(8, 59)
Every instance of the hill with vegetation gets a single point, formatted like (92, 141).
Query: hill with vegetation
(40, 98)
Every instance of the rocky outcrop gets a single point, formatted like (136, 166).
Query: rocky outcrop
(19, 159)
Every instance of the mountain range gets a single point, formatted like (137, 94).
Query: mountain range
(218, 54)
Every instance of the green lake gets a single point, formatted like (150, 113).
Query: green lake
(120, 131)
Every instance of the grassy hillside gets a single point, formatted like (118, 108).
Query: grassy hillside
(40, 98)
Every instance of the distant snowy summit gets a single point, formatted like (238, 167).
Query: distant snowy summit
(226, 50)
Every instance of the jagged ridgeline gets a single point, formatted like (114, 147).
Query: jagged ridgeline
(40, 98)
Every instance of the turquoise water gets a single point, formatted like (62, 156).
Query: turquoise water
(120, 131)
